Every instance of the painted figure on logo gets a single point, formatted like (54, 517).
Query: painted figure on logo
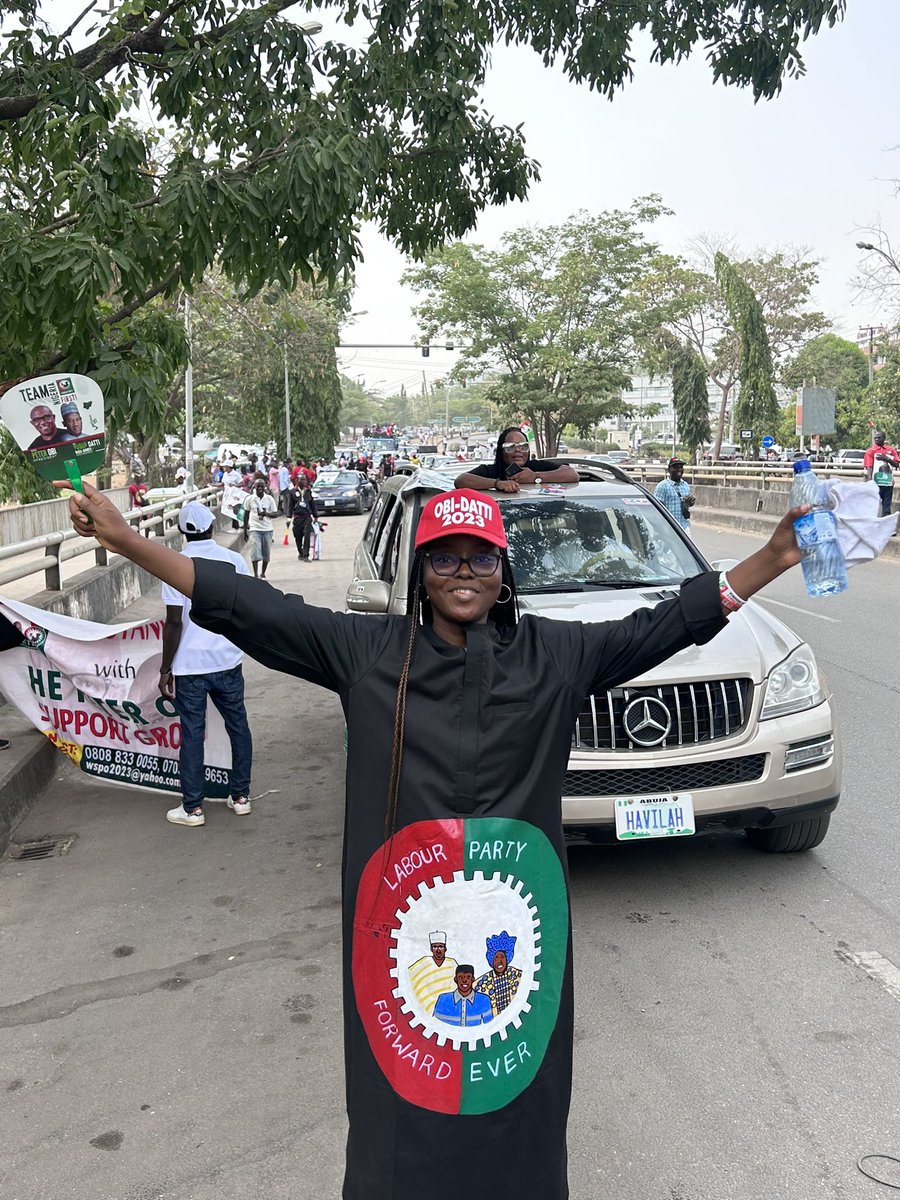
(501, 982)
(33, 635)
(433, 973)
(464, 1006)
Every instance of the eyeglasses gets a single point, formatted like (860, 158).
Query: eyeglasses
(510, 446)
(482, 565)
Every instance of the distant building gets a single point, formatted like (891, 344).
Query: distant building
(867, 338)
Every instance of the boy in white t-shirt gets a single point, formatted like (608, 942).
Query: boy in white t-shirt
(198, 664)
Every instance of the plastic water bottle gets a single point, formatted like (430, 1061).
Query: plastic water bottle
(824, 569)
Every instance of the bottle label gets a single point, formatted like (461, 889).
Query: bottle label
(814, 528)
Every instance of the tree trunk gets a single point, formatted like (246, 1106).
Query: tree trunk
(104, 473)
(147, 453)
(720, 422)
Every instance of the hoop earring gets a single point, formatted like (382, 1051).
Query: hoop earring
(501, 599)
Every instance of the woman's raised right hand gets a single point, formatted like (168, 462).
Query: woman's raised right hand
(94, 515)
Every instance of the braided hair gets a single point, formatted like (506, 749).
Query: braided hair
(418, 609)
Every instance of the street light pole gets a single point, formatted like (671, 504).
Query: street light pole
(188, 396)
(888, 258)
(287, 403)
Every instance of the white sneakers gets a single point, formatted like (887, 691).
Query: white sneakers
(178, 816)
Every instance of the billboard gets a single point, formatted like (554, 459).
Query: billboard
(815, 410)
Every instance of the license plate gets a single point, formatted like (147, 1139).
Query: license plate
(655, 816)
(329, 503)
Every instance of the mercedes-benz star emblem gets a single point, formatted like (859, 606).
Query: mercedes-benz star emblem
(647, 721)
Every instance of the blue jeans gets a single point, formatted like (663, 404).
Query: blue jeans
(226, 690)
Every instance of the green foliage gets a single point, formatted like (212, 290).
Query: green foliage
(691, 398)
(757, 404)
(883, 401)
(694, 311)
(551, 317)
(360, 408)
(265, 147)
(832, 361)
(239, 349)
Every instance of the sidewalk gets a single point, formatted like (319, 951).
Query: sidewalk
(172, 1027)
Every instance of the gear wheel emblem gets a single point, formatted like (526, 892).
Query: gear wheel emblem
(459, 948)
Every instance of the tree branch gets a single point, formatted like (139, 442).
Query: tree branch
(73, 218)
(115, 318)
(101, 57)
(84, 12)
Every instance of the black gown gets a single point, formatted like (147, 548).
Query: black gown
(448, 1091)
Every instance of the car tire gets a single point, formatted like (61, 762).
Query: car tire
(359, 506)
(790, 839)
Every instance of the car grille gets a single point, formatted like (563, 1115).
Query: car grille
(698, 712)
(680, 777)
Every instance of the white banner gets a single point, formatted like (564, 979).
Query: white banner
(93, 690)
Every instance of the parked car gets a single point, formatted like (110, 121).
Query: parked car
(745, 728)
(849, 458)
(346, 491)
(728, 452)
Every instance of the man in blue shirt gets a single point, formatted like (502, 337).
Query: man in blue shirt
(464, 1006)
(675, 494)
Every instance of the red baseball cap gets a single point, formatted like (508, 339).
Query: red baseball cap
(461, 511)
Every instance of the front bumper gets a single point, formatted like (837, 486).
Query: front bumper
(326, 504)
(735, 783)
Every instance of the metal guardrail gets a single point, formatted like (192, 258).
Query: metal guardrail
(724, 474)
(162, 516)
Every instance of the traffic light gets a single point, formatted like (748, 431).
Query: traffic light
(426, 350)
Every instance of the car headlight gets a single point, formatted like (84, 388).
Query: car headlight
(351, 492)
(793, 685)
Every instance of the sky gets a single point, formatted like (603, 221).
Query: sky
(814, 167)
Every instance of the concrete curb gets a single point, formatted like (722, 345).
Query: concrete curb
(31, 767)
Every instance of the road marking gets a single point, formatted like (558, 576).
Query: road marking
(793, 607)
(877, 967)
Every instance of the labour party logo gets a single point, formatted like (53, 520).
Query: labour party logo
(459, 948)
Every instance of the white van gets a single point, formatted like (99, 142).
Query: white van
(240, 451)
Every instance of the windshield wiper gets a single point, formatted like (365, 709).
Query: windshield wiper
(623, 583)
(549, 588)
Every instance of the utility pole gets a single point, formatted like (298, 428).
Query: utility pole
(287, 404)
(188, 397)
(870, 330)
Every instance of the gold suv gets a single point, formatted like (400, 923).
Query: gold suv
(740, 733)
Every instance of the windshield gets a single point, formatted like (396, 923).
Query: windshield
(614, 541)
(339, 479)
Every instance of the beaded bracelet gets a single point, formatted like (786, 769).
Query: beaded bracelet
(731, 601)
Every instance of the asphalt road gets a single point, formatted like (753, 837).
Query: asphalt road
(170, 1024)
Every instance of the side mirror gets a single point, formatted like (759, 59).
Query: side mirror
(724, 564)
(368, 595)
